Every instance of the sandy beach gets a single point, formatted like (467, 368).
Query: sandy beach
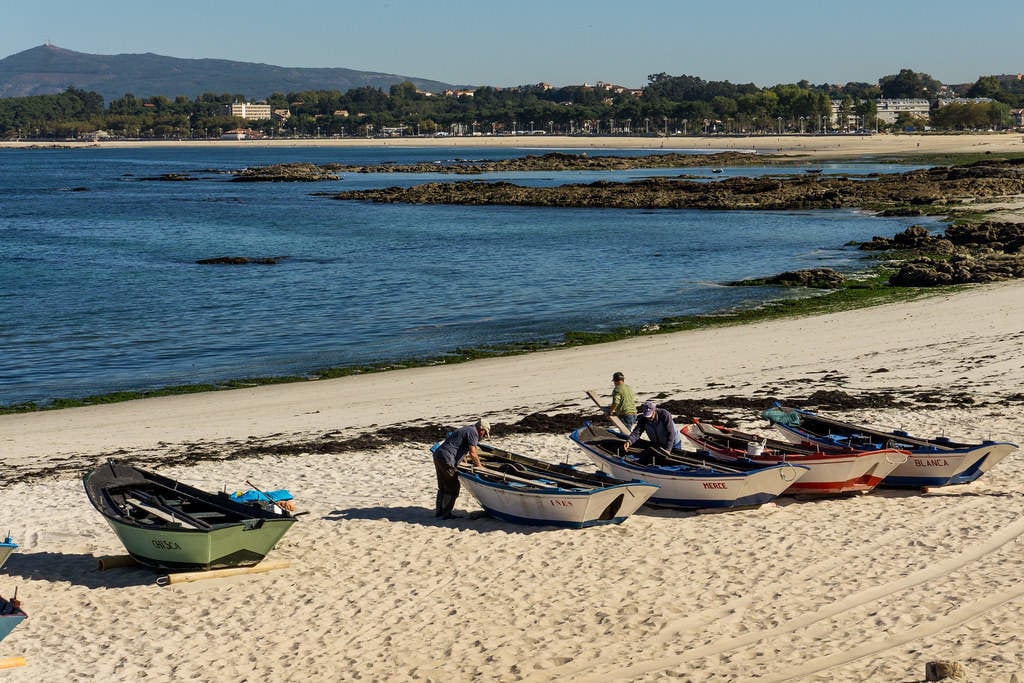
(813, 146)
(858, 588)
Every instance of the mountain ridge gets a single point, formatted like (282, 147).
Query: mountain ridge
(48, 69)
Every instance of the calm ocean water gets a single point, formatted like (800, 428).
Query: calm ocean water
(99, 289)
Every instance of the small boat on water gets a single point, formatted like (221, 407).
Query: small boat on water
(524, 490)
(687, 480)
(832, 470)
(7, 546)
(11, 615)
(931, 462)
(166, 524)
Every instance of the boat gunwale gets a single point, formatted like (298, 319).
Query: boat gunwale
(100, 489)
(900, 439)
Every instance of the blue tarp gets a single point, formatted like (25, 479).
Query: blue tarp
(782, 417)
(252, 496)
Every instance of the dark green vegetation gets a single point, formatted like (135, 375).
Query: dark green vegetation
(48, 69)
(667, 106)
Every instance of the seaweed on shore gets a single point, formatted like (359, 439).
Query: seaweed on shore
(728, 410)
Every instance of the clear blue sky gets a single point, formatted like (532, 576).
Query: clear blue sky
(562, 42)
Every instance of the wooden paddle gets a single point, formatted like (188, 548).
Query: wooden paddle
(283, 509)
(614, 418)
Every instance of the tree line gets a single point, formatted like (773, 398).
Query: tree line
(667, 105)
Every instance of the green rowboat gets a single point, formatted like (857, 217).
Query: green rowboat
(169, 525)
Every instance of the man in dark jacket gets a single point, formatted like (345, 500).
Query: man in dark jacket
(459, 444)
(659, 427)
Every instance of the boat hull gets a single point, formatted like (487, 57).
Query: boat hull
(930, 463)
(234, 546)
(10, 617)
(525, 490)
(928, 466)
(694, 488)
(6, 548)
(166, 524)
(829, 473)
(558, 507)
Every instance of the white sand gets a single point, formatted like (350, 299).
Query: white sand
(833, 146)
(864, 588)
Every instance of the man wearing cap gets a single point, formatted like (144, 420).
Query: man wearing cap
(460, 443)
(623, 401)
(659, 426)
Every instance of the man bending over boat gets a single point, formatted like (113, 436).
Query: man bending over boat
(460, 443)
(659, 427)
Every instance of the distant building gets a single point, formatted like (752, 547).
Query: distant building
(888, 110)
(611, 87)
(241, 134)
(248, 111)
(946, 101)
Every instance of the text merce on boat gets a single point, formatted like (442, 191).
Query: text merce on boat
(687, 480)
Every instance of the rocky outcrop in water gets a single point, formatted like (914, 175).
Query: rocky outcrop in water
(959, 269)
(814, 278)
(169, 177)
(561, 161)
(241, 260)
(553, 161)
(983, 252)
(936, 187)
(291, 172)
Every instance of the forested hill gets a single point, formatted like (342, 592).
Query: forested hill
(49, 69)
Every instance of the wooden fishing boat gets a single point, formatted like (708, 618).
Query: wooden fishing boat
(937, 461)
(166, 524)
(7, 546)
(525, 490)
(687, 480)
(831, 470)
(11, 615)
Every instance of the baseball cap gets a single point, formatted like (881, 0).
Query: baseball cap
(483, 425)
(647, 409)
(617, 376)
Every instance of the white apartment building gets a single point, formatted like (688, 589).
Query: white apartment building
(888, 110)
(248, 111)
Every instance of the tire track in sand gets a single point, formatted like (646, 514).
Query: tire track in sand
(597, 672)
(955, 618)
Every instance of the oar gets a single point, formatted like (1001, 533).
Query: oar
(504, 476)
(614, 418)
(272, 501)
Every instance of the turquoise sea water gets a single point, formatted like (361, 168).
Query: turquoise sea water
(99, 289)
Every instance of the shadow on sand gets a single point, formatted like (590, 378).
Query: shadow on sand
(476, 520)
(77, 568)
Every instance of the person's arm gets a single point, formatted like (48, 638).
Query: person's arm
(474, 456)
(634, 435)
(616, 403)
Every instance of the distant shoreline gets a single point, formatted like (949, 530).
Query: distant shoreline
(812, 146)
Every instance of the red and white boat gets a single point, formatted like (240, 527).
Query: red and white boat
(832, 470)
